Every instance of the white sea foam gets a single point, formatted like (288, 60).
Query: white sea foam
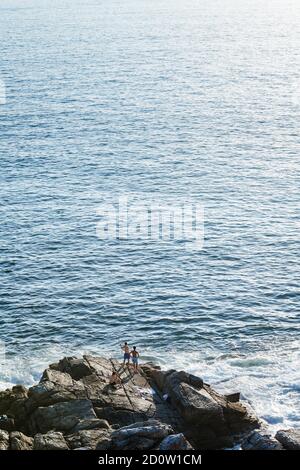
(269, 383)
(268, 380)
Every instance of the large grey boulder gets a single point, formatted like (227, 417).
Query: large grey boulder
(4, 440)
(18, 441)
(55, 387)
(61, 416)
(75, 367)
(198, 406)
(289, 438)
(50, 441)
(260, 440)
(213, 420)
(140, 436)
(78, 368)
(170, 379)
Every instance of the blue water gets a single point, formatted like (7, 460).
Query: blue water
(165, 99)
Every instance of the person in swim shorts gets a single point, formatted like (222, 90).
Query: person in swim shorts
(135, 358)
(126, 350)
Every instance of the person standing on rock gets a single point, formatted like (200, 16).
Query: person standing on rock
(135, 358)
(126, 350)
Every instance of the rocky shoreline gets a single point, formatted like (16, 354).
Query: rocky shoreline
(74, 407)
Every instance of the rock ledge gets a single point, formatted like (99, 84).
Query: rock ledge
(74, 406)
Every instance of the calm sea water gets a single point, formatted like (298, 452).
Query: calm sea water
(165, 99)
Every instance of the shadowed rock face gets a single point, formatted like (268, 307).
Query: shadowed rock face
(260, 440)
(289, 438)
(74, 406)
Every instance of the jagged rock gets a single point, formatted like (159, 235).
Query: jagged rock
(61, 416)
(50, 441)
(186, 393)
(55, 387)
(100, 366)
(151, 365)
(7, 424)
(79, 368)
(156, 374)
(198, 406)
(18, 441)
(90, 439)
(76, 368)
(74, 397)
(12, 403)
(170, 380)
(175, 442)
(91, 424)
(233, 397)
(194, 403)
(289, 438)
(4, 440)
(140, 436)
(9, 396)
(212, 418)
(260, 440)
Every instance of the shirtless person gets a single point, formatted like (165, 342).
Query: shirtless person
(135, 358)
(125, 348)
(114, 380)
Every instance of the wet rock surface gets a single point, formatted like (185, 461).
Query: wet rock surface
(74, 406)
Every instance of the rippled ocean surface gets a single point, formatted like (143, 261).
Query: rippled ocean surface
(166, 99)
